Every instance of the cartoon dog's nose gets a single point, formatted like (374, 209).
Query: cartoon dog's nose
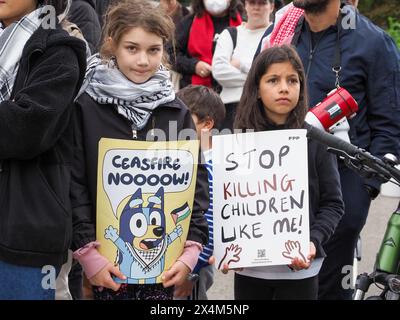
(158, 231)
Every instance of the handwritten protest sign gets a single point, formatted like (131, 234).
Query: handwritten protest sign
(144, 204)
(260, 198)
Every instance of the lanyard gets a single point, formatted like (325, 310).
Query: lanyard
(336, 66)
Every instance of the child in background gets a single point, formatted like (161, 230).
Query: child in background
(274, 98)
(208, 112)
(128, 95)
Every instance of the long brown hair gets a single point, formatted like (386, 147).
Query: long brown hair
(250, 113)
(128, 14)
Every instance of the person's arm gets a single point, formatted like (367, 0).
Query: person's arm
(35, 119)
(223, 71)
(177, 274)
(97, 268)
(383, 94)
(184, 63)
(198, 228)
(330, 207)
(84, 228)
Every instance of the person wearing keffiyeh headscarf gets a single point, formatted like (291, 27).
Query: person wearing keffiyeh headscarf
(128, 95)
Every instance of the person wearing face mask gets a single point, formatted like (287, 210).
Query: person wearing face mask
(232, 61)
(196, 36)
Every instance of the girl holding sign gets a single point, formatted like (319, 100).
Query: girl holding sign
(274, 98)
(128, 95)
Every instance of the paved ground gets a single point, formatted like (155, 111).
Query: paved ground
(372, 234)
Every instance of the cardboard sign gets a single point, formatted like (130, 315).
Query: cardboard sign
(145, 198)
(261, 205)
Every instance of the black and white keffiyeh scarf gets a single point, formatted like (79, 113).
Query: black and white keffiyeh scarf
(105, 84)
(12, 42)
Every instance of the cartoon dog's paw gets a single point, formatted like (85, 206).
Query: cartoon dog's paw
(111, 233)
(176, 233)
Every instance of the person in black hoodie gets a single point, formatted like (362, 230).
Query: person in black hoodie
(41, 72)
(274, 98)
(84, 15)
(128, 95)
(101, 9)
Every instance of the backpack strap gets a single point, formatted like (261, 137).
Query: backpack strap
(297, 31)
(233, 32)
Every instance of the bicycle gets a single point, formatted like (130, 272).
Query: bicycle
(386, 272)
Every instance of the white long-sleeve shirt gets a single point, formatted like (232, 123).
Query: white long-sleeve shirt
(229, 77)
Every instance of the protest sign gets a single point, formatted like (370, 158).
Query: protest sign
(260, 198)
(145, 198)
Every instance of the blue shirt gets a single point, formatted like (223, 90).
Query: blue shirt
(209, 248)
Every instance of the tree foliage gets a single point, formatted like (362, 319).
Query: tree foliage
(380, 10)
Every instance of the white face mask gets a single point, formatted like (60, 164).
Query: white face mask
(216, 7)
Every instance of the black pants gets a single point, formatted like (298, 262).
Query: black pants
(333, 284)
(75, 281)
(249, 288)
(134, 292)
(229, 116)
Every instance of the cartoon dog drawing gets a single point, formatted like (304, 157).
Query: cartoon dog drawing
(142, 241)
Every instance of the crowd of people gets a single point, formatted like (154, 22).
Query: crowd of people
(121, 69)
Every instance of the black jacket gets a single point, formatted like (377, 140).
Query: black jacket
(325, 195)
(36, 150)
(95, 121)
(101, 9)
(84, 15)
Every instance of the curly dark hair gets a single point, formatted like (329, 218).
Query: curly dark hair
(250, 113)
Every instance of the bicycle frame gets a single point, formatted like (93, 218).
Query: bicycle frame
(387, 265)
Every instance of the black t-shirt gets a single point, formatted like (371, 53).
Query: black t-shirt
(220, 23)
(316, 37)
